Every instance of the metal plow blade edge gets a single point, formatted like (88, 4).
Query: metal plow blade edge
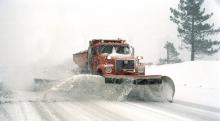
(154, 88)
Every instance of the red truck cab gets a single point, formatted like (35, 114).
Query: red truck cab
(112, 57)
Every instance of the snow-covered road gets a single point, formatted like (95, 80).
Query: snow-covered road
(97, 110)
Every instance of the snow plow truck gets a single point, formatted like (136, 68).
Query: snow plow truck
(116, 62)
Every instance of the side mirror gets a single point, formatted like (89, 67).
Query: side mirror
(132, 50)
(139, 57)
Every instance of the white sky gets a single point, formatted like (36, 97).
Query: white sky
(36, 30)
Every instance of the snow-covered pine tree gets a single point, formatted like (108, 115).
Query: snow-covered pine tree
(194, 29)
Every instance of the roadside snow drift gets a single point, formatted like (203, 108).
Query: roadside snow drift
(197, 82)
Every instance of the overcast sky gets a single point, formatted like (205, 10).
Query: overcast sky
(36, 30)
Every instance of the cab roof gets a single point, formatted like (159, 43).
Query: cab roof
(96, 42)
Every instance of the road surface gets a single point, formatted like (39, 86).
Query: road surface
(102, 110)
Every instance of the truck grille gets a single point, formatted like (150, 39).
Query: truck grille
(124, 64)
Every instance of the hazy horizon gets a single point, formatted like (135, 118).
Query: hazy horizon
(52, 30)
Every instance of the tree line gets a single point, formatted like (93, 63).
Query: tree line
(194, 31)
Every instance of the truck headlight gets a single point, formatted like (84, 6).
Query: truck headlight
(108, 69)
(109, 57)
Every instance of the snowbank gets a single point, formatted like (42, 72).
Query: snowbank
(205, 74)
(197, 82)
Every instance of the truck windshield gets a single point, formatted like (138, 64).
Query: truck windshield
(114, 49)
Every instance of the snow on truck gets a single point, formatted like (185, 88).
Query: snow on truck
(115, 61)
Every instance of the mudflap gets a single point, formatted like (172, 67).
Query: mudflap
(148, 88)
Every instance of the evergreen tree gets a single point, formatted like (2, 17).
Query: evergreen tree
(193, 28)
(171, 54)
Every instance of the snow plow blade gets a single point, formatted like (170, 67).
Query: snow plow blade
(43, 84)
(137, 80)
(38, 80)
(154, 87)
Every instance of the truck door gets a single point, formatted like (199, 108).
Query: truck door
(92, 64)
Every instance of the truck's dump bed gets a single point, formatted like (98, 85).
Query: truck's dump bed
(81, 59)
